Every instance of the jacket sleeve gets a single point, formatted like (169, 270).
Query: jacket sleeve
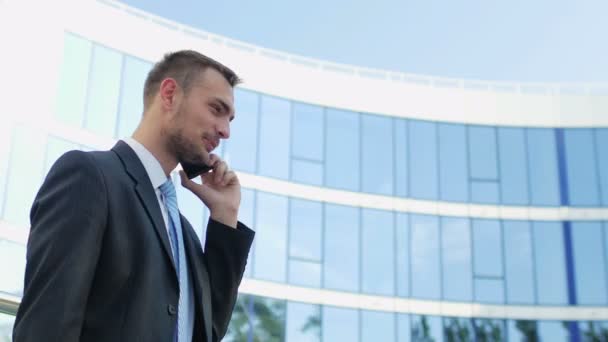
(226, 251)
(68, 218)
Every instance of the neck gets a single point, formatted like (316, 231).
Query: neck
(153, 141)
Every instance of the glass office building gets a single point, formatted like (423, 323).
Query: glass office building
(387, 206)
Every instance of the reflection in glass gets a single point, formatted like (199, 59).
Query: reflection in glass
(454, 172)
(12, 257)
(425, 256)
(131, 108)
(423, 154)
(240, 150)
(274, 137)
(542, 161)
(457, 329)
(590, 266)
(489, 330)
(550, 262)
(257, 319)
(601, 151)
(426, 329)
(342, 163)
(523, 330)
(513, 166)
(341, 248)
(303, 322)
(377, 154)
(594, 331)
(377, 326)
(340, 324)
(583, 187)
(377, 254)
(456, 256)
(519, 267)
(271, 238)
(6, 327)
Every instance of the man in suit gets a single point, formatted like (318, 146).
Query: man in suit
(109, 257)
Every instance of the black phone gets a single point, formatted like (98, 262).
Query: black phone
(194, 170)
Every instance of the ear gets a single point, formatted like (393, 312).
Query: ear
(169, 92)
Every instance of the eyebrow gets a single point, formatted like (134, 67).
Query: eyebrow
(225, 106)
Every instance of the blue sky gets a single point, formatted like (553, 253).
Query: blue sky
(513, 40)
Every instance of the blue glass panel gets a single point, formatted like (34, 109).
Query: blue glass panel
(305, 222)
(377, 154)
(303, 322)
(487, 248)
(25, 174)
(601, 148)
(6, 322)
(522, 330)
(458, 329)
(553, 331)
(307, 138)
(485, 192)
(583, 186)
(267, 315)
(274, 137)
(246, 214)
(305, 273)
(453, 172)
(307, 172)
(425, 251)
(423, 156)
(342, 166)
(72, 92)
(519, 267)
(341, 249)
(550, 263)
(426, 328)
(402, 234)
(104, 87)
(456, 256)
(589, 264)
(542, 161)
(489, 291)
(489, 329)
(513, 166)
(191, 207)
(377, 326)
(401, 157)
(131, 106)
(403, 328)
(378, 238)
(594, 331)
(482, 153)
(12, 255)
(271, 237)
(240, 149)
(340, 324)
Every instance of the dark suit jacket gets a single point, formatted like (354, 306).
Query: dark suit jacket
(99, 264)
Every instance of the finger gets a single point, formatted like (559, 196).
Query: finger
(186, 182)
(230, 178)
(219, 171)
(213, 160)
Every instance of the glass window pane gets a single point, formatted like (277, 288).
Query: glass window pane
(55, 148)
(489, 291)
(25, 174)
(268, 316)
(550, 263)
(191, 207)
(593, 331)
(513, 166)
(308, 126)
(377, 154)
(307, 172)
(453, 173)
(342, 150)
(274, 137)
(403, 327)
(378, 256)
(426, 328)
(340, 324)
(377, 326)
(489, 330)
(583, 187)
(72, 91)
(485, 192)
(423, 154)
(104, 86)
(240, 151)
(131, 107)
(458, 329)
(553, 331)
(425, 277)
(519, 269)
(303, 322)
(456, 254)
(305, 229)
(542, 161)
(240, 328)
(6, 327)
(341, 250)
(482, 153)
(5, 151)
(401, 157)
(305, 273)
(487, 248)
(589, 264)
(12, 255)
(522, 330)
(246, 214)
(403, 255)
(601, 149)
(271, 237)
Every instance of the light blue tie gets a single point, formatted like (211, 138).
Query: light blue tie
(177, 246)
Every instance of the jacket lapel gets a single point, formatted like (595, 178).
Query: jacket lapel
(145, 192)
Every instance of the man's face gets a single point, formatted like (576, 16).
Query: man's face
(203, 118)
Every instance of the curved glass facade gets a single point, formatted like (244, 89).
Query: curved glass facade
(328, 247)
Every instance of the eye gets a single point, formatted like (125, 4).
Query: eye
(216, 109)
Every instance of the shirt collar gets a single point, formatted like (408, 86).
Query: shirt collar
(151, 164)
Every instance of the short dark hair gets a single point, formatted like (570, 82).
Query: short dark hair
(183, 66)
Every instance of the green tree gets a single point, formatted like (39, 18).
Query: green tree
(528, 330)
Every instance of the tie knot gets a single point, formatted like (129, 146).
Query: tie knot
(168, 190)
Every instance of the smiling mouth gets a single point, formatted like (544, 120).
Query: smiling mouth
(209, 146)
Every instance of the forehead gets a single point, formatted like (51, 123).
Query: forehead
(211, 83)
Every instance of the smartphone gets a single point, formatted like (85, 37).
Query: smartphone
(194, 170)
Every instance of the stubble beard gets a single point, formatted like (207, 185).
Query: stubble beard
(184, 149)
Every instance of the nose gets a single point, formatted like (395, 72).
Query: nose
(224, 129)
